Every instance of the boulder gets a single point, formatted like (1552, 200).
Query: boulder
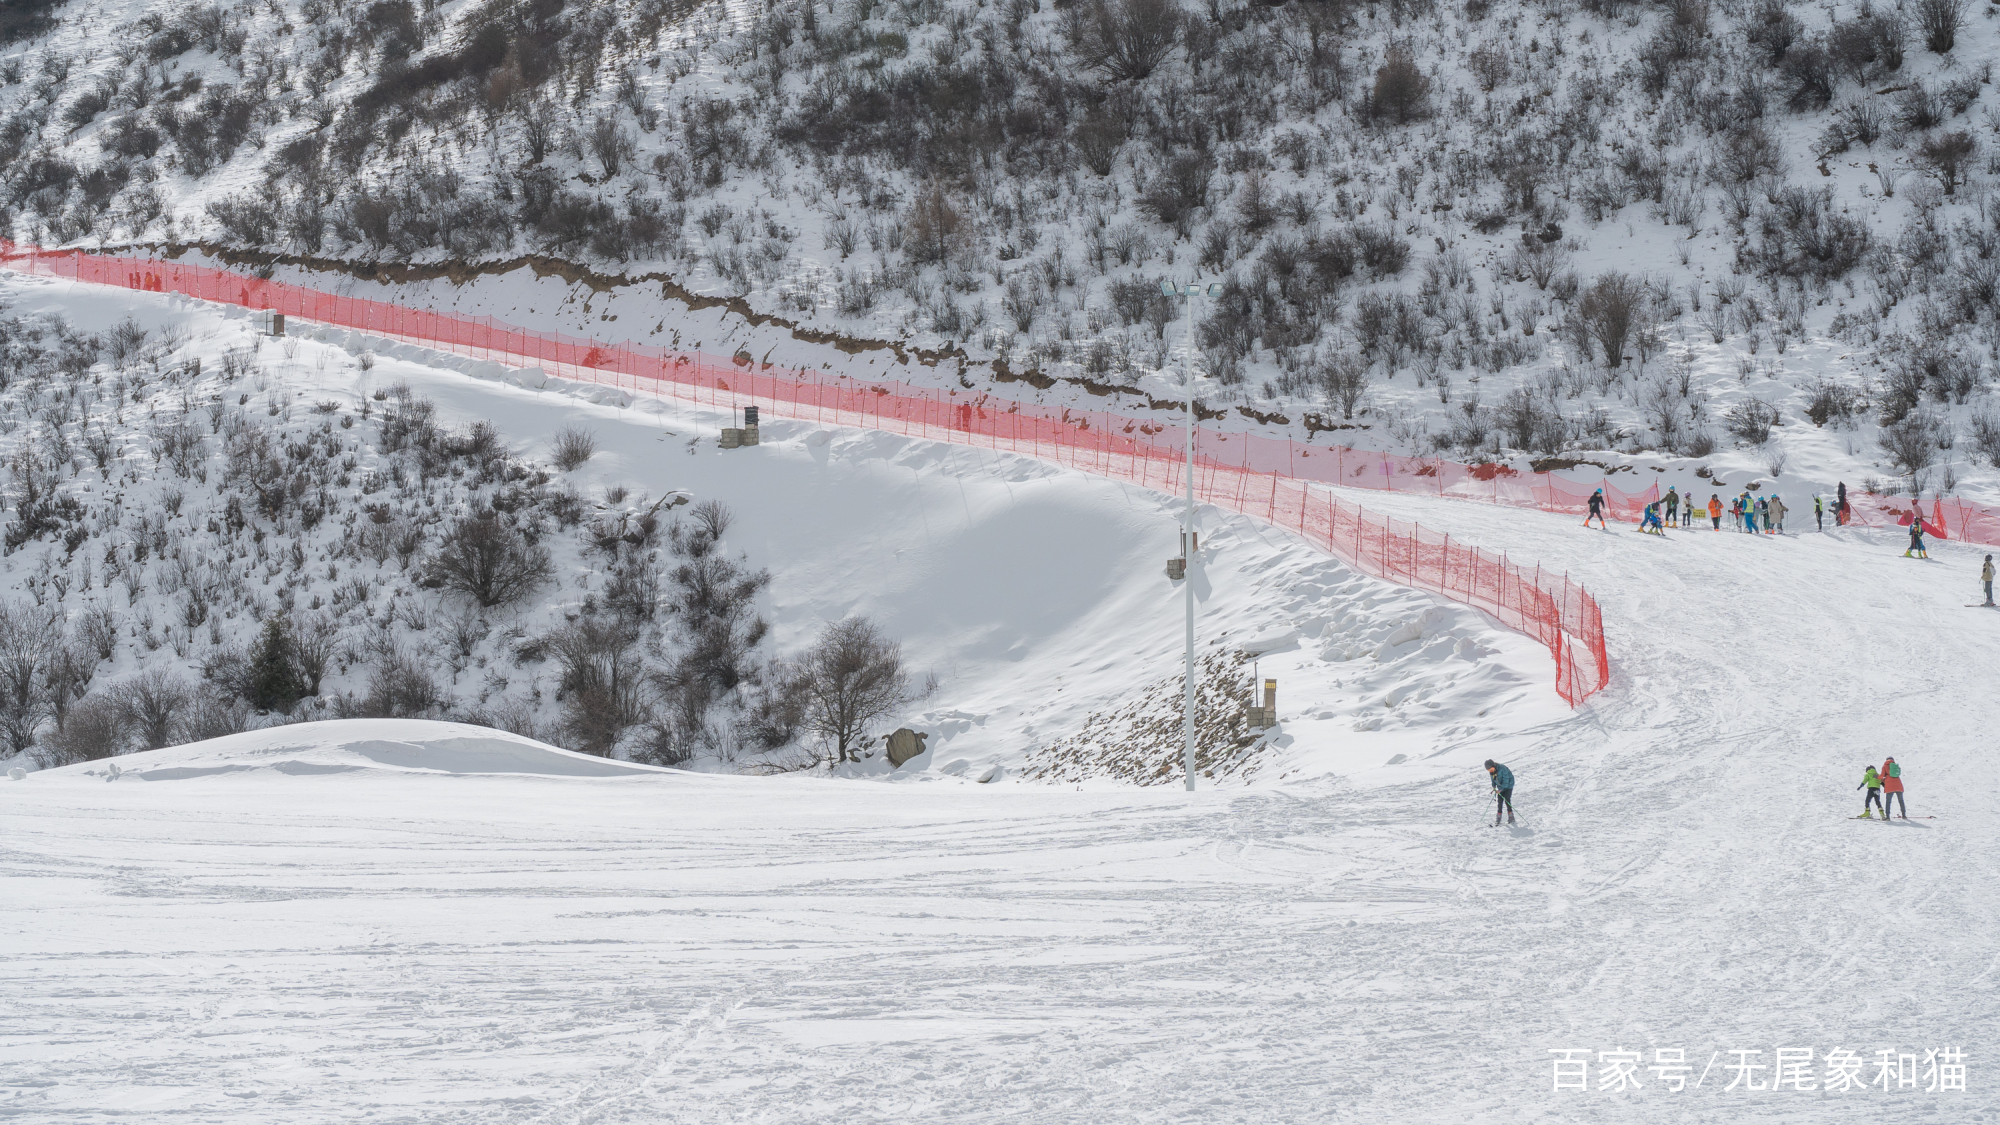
(904, 745)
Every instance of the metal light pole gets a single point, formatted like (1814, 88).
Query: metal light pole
(1187, 294)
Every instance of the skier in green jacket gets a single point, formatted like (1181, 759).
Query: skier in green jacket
(1503, 791)
(1872, 782)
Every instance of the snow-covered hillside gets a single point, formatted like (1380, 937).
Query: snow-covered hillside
(357, 928)
(1038, 632)
(1497, 230)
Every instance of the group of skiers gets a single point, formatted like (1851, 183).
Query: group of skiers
(1882, 785)
(1746, 512)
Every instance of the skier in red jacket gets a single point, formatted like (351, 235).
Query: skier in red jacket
(1892, 788)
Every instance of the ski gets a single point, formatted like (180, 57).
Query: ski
(1892, 818)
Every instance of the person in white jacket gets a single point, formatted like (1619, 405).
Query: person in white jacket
(1777, 520)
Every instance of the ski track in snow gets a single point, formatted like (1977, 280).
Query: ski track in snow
(385, 946)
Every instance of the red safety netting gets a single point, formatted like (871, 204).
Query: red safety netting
(1249, 473)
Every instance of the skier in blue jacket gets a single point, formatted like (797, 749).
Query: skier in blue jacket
(1503, 790)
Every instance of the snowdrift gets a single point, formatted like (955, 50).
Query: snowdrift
(345, 745)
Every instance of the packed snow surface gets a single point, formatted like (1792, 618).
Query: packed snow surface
(495, 939)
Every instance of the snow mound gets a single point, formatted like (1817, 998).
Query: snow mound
(345, 745)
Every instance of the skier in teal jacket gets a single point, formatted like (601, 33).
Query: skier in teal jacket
(1503, 791)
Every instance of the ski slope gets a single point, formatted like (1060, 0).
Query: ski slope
(392, 942)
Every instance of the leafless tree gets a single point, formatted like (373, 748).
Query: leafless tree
(1402, 91)
(852, 677)
(1611, 309)
(28, 638)
(1344, 378)
(152, 704)
(934, 228)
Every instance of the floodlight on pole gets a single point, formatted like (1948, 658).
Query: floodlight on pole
(1187, 293)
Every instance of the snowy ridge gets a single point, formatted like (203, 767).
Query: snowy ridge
(345, 745)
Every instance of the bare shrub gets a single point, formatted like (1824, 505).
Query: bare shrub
(1751, 422)
(1489, 66)
(486, 558)
(98, 629)
(852, 677)
(1947, 157)
(315, 642)
(717, 629)
(1126, 39)
(1829, 401)
(601, 684)
(1173, 194)
(1810, 69)
(572, 447)
(93, 729)
(1402, 91)
(1870, 45)
(400, 686)
(212, 715)
(153, 704)
(1986, 436)
(1939, 22)
(1528, 422)
(610, 143)
(1912, 443)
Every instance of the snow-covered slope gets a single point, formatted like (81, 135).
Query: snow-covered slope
(1029, 598)
(295, 947)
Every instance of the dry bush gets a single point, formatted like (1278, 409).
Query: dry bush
(1939, 22)
(1402, 91)
(487, 559)
(572, 447)
(93, 729)
(1126, 39)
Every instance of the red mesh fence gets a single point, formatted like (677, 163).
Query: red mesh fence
(1249, 473)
